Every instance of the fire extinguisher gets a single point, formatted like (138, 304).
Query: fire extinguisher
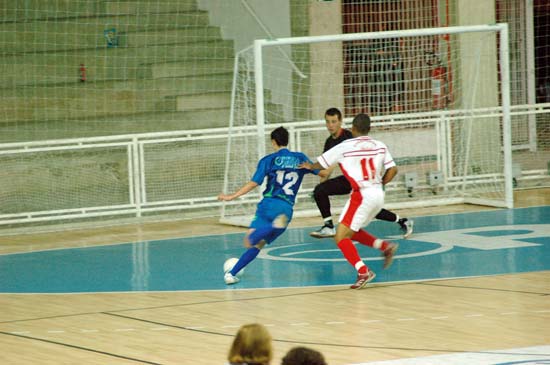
(439, 87)
(439, 81)
(82, 72)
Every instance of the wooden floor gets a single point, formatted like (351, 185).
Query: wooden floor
(384, 322)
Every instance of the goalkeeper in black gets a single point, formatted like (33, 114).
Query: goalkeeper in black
(340, 186)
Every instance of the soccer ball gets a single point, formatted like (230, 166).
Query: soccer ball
(229, 263)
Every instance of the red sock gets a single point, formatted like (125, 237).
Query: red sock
(351, 254)
(368, 239)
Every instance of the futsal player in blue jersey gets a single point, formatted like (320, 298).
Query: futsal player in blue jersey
(274, 211)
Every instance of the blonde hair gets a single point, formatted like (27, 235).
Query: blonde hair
(252, 345)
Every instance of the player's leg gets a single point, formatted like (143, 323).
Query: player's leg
(247, 256)
(356, 213)
(370, 205)
(268, 224)
(360, 210)
(387, 248)
(336, 186)
(405, 224)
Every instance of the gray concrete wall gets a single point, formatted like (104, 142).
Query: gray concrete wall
(325, 18)
(478, 143)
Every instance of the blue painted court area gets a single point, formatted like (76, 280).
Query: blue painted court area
(442, 246)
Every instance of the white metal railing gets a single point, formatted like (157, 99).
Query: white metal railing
(138, 202)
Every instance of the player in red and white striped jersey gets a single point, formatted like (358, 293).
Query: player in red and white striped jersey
(339, 185)
(368, 166)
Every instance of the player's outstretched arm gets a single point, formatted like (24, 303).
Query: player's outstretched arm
(249, 186)
(325, 174)
(310, 166)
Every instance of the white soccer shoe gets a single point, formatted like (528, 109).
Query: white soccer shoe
(323, 232)
(407, 226)
(230, 279)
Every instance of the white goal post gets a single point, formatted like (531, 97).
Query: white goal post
(438, 97)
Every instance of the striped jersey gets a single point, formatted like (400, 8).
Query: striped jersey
(283, 175)
(363, 161)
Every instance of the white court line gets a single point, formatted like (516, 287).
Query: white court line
(527, 356)
(372, 321)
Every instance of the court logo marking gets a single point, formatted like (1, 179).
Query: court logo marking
(480, 238)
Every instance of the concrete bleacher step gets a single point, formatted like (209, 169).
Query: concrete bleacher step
(189, 102)
(157, 121)
(107, 63)
(189, 68)
(172, 120)
(46, 9)
(171, 36)
(57, 9)
(218, 100)
(93, 100)
(168, 86)
(132, 31)
(141, 7)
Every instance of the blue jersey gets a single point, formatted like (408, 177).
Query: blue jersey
(283, 175)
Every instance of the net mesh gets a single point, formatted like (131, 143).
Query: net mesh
(88, 68)
(435, 101)
(83, 69)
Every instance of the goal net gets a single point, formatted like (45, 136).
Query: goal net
(439, 98)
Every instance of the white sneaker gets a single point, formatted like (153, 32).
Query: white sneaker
(323, 232)
(407, 226)
(230, 279)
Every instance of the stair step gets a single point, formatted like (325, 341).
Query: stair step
(140, 7)
(174, 37)
(94, 100)
(105, 64)
(181, 69)
(179, 86)
(46, 9)
(112, 125)
(38, 36)
(184, 103)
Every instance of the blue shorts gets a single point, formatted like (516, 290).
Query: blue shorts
(268, 209)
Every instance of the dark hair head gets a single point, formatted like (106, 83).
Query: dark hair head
(361, 122)
(280, 135)
(334, 111)
(303, 356)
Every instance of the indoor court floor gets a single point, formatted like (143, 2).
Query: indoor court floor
(471, 286)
